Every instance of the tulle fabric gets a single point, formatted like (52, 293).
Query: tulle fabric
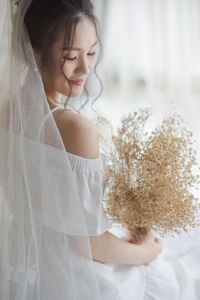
(45, 250)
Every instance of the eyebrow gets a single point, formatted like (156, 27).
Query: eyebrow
(78, 49)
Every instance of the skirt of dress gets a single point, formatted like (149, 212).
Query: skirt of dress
(175, 275)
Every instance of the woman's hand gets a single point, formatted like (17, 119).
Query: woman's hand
(150, 245)
(108, 248)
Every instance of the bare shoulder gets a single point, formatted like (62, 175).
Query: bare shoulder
(79, 134)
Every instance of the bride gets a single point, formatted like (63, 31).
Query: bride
(55, 241)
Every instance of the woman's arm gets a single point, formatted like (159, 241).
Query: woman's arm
(110, 249)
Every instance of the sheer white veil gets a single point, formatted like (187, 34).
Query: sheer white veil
(45, 251)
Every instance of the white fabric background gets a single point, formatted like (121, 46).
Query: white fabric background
(151, 57)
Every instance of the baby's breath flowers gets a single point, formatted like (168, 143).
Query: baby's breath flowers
(151, 177)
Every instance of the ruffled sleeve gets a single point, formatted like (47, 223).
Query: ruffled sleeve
(66, 190)
(88, 176)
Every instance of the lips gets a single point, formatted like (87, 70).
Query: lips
(77, 82)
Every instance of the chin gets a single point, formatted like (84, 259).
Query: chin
(74, 93)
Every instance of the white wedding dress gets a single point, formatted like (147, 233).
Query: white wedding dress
(175, 275)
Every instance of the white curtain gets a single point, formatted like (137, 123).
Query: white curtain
(152, 56)
(157, 41)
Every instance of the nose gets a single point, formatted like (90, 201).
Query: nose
(83, 66)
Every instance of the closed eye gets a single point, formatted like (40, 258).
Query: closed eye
(75, 57)
(91, 53)
(69, 58)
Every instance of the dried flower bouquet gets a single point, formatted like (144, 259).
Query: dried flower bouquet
(151, 177)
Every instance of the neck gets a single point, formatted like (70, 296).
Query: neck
(54, 99)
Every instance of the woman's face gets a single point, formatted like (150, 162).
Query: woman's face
(77, 63)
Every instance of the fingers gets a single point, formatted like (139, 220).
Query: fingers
(149, 236)
(157, 240)
(152, 235)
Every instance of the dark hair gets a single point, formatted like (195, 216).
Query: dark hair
(44, 19)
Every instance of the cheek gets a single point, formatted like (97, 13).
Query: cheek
(67, 70)
(92, 63)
